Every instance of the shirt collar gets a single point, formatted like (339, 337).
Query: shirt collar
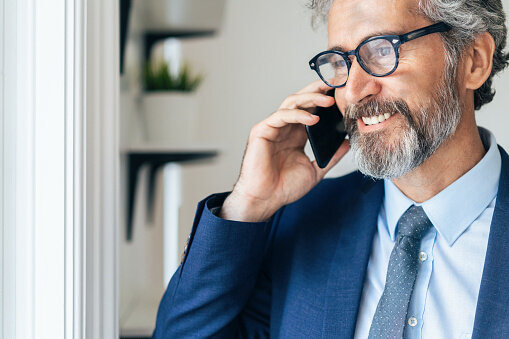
(453, 209)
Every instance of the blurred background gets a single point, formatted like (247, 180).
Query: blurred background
(182, 140)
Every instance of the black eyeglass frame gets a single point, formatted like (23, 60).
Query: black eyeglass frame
(395, 40)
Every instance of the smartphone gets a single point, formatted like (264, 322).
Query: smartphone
(327, 134)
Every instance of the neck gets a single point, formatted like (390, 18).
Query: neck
(456, 156)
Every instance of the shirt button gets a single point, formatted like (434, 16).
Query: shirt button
(423, 256)
(412, 321)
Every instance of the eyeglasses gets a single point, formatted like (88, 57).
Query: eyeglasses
(378, 56)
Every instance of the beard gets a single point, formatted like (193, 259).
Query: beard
(422, 132)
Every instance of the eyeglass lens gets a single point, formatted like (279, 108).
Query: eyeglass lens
(333, 68)
(378, 57)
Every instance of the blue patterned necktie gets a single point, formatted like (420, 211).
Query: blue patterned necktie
(390, 316)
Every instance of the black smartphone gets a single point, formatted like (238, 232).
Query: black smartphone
(327, 134)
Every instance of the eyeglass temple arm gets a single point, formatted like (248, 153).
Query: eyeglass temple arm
(436, 28)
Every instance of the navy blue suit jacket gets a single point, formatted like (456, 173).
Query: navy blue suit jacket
(300, 275)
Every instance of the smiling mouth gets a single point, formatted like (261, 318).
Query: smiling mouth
(376, 119)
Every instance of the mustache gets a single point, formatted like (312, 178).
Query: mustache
(373, 108)
(377, 107)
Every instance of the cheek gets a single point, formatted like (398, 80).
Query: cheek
(419, 75)
(340, 102)
(414, 84)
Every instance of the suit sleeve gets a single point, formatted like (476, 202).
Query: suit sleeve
(221, 289)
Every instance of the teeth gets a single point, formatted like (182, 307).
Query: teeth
(376, 119)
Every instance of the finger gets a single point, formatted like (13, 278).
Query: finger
(317, 86)
(307, 100)
(340, 153)
(284, 117)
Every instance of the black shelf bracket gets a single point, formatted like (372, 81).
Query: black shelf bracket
(125, 10)
(155, 160)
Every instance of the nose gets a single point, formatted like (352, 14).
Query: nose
(360, 85)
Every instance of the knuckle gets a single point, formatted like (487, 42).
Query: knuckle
(290, 101)
(279, 114)
(255, 130)
(261, 126)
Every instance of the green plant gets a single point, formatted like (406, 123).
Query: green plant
(159, 78)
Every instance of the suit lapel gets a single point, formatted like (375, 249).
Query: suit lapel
(492, 313)
(348, 269)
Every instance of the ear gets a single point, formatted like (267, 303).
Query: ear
(478, 61)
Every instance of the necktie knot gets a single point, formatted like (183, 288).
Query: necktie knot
(414, 223)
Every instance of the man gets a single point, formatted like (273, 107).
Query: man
(419, 254)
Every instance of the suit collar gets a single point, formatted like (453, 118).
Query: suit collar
(492, 313)
(350, 260)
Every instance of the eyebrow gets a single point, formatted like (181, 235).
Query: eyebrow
(340, 48)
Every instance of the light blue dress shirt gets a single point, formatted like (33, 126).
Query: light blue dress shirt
(451, 256)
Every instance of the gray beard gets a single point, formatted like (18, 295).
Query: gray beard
(424, 131)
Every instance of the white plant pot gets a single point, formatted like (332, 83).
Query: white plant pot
(170, 117)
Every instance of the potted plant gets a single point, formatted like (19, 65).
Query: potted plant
(169, 103)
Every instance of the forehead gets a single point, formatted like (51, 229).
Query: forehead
(351, 21)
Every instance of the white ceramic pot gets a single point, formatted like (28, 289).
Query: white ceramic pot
(170, 117)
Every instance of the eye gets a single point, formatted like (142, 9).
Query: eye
(383, 51)
(339, 63)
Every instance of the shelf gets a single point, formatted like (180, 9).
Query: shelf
(182, 28)
(155, 156)
(173, 148)
(152, 37)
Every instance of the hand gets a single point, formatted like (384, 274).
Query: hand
(275, 170)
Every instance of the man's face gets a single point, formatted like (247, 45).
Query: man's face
(420, 96)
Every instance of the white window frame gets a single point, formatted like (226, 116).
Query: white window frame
(102, 166)
(59, 169)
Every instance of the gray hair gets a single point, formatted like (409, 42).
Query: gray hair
(468, 19)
